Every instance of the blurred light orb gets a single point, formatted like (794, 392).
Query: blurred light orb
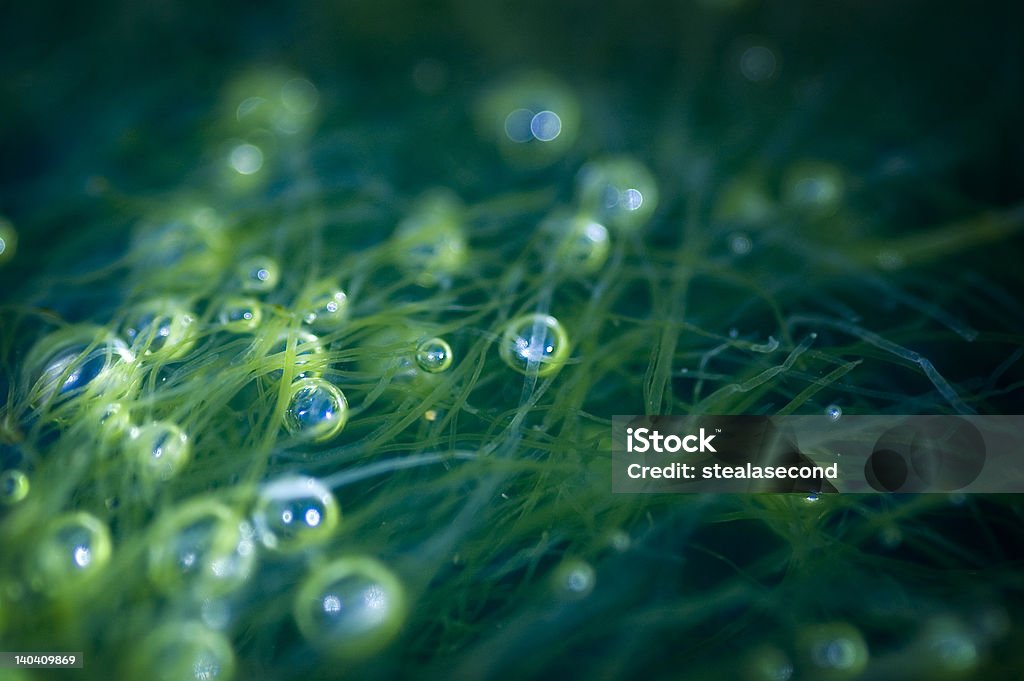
(532, 118)
(184, 651)
(581, 244)
(574, 579)
(73, 549)
(430, 240)
(202, 547)
(833, 651)
(758, 63)
(813, 187)
(323, 306)
(534, 342)
(274, 100)
(294, 513)
(317, 410)
(8, 240)
(351, 608)
(246, 159)
(618, 192)
(182, 249)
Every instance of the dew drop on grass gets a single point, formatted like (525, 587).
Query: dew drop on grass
(434, 355)
(325, 308)
(164, 329)
(535, 340)
(351, 607)
(240, 314)
(618, 192)
(294, 513)
(308, 355)
(317, 410)
(259, 274)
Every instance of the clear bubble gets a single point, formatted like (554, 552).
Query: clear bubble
(309, 356)
(574, 579)
(294, 513)
(184, 651)
(814, 187)
(434, 355)
(245, 158)
(161, 448)
(535, 342)
(740, 244)
(350, 608)
(834, 412)
(618, 192)
(240, 314)
(74, 548)
(161, 328)
(324, 307)
(582, 243)
(114, 419)
(202, 546)
(834, 651)
(533, 119)
(8, 240)
(259, 273)
(317, 410)
(14, 487)
(430, 241)
(70, 361)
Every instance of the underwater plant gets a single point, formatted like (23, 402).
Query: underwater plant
(310, 341)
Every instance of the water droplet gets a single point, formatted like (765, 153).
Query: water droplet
(246, 159)
(184, 651)
(162, 449)
(430, 241)
(74, 548)
(740, 244)
(202, 546)
(14, 486)
(70, 361)
(294, 513)
(259, 273)
(434, 355)
(317, 410)
(758, 63)
(535, 341)
(351, 607)
(161, 328)
(618, 192)
(240, 314)
(833, 412)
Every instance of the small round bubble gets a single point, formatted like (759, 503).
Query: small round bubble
(324, 308)
(618, 192)
(833, 652)
(14, 487)
(317, 410)
(184, 651)
(74, 548)
(834, 412)
(351, 608)
(162, 449)
(259, 274)
(294, 513)
(574, 579)
(535, 342)
(162, 329)
(202, 546)
(434, 355)
(240, 314)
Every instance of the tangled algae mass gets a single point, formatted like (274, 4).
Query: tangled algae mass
(311, 375)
